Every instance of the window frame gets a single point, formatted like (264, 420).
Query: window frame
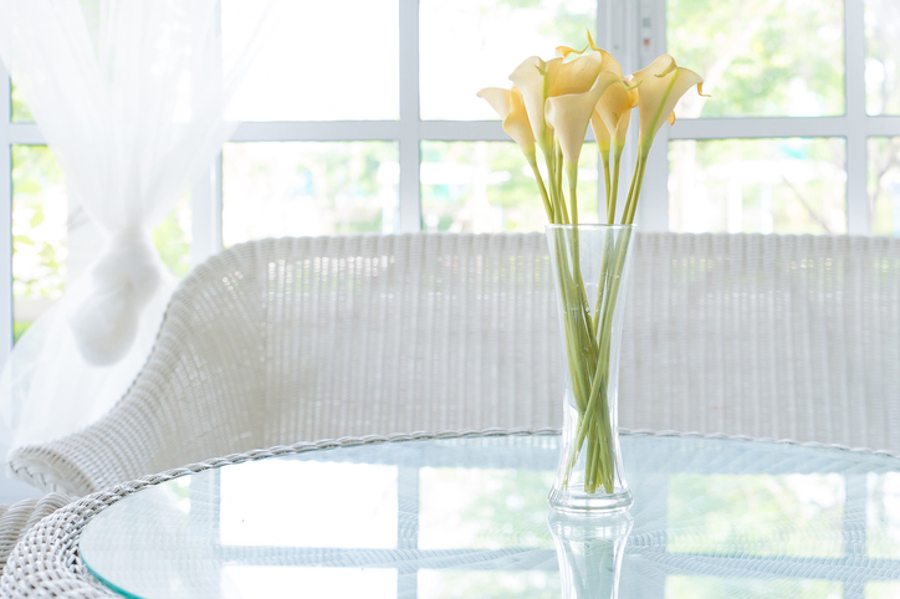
(634, 32)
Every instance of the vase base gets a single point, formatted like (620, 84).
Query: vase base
(589, 504)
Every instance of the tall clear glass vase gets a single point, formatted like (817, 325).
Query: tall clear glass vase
(590, 551)
(590, 265)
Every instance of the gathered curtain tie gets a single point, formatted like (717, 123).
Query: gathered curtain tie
(121, 282)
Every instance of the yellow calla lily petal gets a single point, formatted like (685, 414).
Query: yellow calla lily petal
(660, 86)
(509, 105)
(564, 51)
(576, 76)
(534, 78)
(614, 107)
(570, 114)
(591, 43)
(601, 133)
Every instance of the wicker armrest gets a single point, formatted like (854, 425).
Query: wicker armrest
(16, 519)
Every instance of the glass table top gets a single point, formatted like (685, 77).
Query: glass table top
(468, 517)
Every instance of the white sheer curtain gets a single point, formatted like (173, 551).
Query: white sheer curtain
(129, 95)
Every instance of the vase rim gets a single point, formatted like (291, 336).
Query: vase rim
(550, 227)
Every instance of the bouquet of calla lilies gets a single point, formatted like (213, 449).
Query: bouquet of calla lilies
(549, 108)
(552, 103)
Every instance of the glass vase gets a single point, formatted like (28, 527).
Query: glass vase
(590, 265)
(590, 552)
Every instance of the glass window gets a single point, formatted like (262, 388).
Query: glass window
(884, 185)
(486, 187)
(466, 45)
(882, 56)
(275, 189)
(323, 61)
(39, 226)
(19, 111)
(787, 185)
(172, 238)
(760, 58)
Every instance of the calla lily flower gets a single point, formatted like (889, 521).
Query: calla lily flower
(610, 121)
(576, 76)
(508, 103)
(614, 109)
(570, 113)
(533, 78)
(660, 86)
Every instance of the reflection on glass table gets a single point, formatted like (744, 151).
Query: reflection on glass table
(467, 517)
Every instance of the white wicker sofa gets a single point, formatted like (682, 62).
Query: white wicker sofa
(278, 342)
(281, 341)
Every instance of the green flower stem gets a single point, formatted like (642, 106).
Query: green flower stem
(558, 160)
(637, 182)
(587, 339)
(595, 426)
(578, 370)
(609, 198)
(611, 203)
(572, 177)
(603, 286)
(532, 160)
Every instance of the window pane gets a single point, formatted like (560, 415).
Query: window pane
(322, 61)
(486, 187)
(882, 57)
(172, 238)
(39, 215)
(787, 185)
(466, 45)
(760, 58)
(274, 189)
(884, 185)
(20, 112)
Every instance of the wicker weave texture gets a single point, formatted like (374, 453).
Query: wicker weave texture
(278, 341)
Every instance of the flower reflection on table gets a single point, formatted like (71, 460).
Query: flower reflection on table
(590, 551)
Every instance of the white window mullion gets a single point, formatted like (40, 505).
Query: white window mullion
(410, 134)
(317, 131)
(758, 127)
(6, 300)
(206, 215)
(858, 217)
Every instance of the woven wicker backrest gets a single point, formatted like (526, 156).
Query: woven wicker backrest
(279, 341)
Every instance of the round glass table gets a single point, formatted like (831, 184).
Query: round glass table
(468, 517)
